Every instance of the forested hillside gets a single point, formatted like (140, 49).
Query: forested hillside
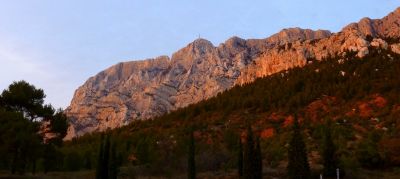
(359, 97)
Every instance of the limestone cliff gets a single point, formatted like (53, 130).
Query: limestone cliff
(144, 89)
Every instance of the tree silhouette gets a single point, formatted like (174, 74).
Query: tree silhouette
(330, 160)
(252, 160)
(258, 161)
(22, 113)
(191, 156)
(298, 167)
(113, 167)
(100, 159)
(240, 158)
(107, 162)
(106, 157)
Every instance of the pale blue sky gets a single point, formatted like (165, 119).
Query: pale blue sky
(58, 44)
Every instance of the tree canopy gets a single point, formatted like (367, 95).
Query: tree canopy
(27, 126)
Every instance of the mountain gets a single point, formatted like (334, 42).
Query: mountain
(359, 97)
(145, 89)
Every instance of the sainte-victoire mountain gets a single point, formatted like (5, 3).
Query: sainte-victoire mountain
(139, 90)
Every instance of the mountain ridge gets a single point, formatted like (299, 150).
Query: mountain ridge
(145, 89)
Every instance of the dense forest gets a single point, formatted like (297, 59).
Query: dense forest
(337, 113)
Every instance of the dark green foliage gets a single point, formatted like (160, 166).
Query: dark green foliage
(329, 156)
(19, 141)
(113, 168)
(252, 161)
(144, 150)
(87, 160)
(51, 158)
(106, 158)
(248, 155)
(25, 98)
(22, 113)
(73, 161)
(240, 159)
(298, 167)
(368, 153)
(191, 156)
(100, 159)
(258, 161)
(59, 126)
(107, 163)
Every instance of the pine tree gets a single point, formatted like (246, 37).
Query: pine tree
(329, 153)
(191, 157)
(298, 167)
(240, 159)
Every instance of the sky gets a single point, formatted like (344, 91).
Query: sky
(58, 45)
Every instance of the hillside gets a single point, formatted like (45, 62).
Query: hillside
(360, 95)
(144, 89)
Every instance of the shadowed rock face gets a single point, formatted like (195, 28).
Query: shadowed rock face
(144, 89)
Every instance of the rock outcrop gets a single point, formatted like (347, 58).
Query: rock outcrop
(144, 89)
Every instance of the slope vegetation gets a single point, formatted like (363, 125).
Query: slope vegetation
(359, 95)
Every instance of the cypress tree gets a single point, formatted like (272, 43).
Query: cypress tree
(248, 156)
(113, 162)
(298, 167)
(106, 158)
(240, 159)
(100, 159)
(329, 153)
(88, 160)
(191, 157)
(258, 161)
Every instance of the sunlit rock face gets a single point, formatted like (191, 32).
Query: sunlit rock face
(353, 37)
(139, 90)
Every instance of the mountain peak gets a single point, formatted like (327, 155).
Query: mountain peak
(200, 42)
(293, 34)
(386, 27)
(397, 11)
(142, 90)
(235, 41)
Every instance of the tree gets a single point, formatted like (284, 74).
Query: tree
(73, 161)
(258, 161)
(107, 162)
(298, 167)
(368, 153)
(88, 160)
(330, 160)
(22, 108)
(19, 102)
(251, 158)
(240, 159)
(191, 156)
(51, 157)
(58, 126)
(144, 150)
(25, 98)
(106, 158)
(100, 159)
(113, 167)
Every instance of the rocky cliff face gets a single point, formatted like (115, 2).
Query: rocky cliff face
(144, 89)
